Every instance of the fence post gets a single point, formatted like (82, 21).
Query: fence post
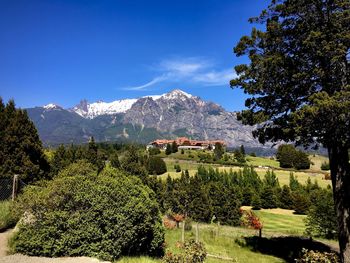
(183, 232)
(14, 187)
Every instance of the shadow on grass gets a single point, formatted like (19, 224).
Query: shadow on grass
(287, 248)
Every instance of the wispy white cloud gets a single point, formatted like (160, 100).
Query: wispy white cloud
(191, 70)
(215, 78)
(150, 83)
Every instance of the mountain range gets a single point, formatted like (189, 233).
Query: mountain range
(142, 120)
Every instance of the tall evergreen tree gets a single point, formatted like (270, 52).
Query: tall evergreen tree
(299, 78)
(174, 147)
(218, 151)
(21, 151)
(114, 159)
(168, 149)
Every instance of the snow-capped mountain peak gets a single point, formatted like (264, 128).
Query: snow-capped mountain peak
(51, 106)
(92, 110)
(175, 94)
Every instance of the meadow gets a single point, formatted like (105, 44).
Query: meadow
(228, 242)
(261, 164)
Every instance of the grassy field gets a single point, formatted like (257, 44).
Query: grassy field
(262, 161)
(283, 175)
(220, 240)
(280, 221)
(317, 161)
(219, 245)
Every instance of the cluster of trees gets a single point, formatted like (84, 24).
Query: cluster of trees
(171, 148)
(289, 157)
(220, 193)
(198, 199)
(220, 156)
(133, 159)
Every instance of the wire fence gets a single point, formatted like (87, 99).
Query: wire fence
(10, 187)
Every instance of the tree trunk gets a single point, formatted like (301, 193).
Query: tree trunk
(340, 173)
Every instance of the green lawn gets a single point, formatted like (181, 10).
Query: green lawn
(282, 223)
(262, 161)
(222, 245)
(220, 240)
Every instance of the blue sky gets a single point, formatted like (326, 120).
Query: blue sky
(64, 51)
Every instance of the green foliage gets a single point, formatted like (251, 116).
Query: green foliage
(21, 151)
(286, 200)
(299, 78)
(301, 161)
(133, 163)
(310, 256)
(256, 202)
(168, 149)
(102, 216)
(114, 160)
(290, 157)
(64, 156)
(156, 165)
(7, 218)
(325, 166)
(301, 203)
(174, 147)
(79, 168)
(153, 151)
(194, 252)
(321, 218)
(218, 151)
(286, 65)
(239, 156)
(268, 198)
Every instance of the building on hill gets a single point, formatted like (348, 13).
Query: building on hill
(185, 143)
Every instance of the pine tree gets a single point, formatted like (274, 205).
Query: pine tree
(268, 198)
(168, 149)
(114, 160)
(21, 151)
(218, 151)
(286, 199)
(242, 150)
(298, 77)
(256, 202)
(59, 160)
(174, 147)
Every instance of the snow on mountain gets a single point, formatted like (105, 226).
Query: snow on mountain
(51, 106)
(92, 110)
(176, 94)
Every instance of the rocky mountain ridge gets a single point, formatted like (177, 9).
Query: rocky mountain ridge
(170, 115)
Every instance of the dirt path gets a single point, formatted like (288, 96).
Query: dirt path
(3, 242)
(18, 258)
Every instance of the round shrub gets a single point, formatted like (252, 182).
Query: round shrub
(156, 165)
(102, 216)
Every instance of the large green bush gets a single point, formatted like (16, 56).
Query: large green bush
(102, 216)
(156, 165)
